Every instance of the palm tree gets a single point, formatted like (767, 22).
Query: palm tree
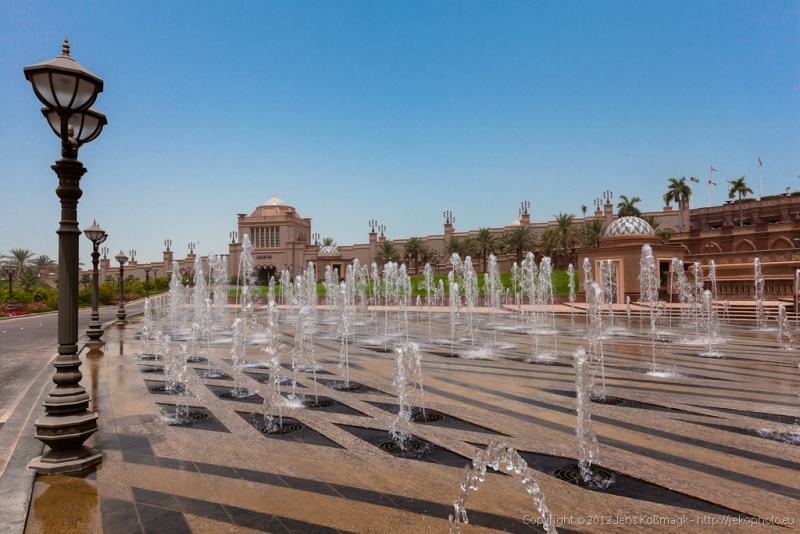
(678, 190)
(593, 233)
(547, 243)
(28, 279)
(626, 207)
(453, 246)
(565, 234)
(663, 235)
(21, 257)
(387, 252)
(738, 187)
(412, 250)
(328, 242)
(518, 241)
(485, 243)
(44, 260)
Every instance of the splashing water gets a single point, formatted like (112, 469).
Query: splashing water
(588, 449)
(407, 379)
(785, 337)
(571, 275)
(497, 455)
(594, 331)
(761, 319)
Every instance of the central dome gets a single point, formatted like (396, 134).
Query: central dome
(628, 226)
(275, 201)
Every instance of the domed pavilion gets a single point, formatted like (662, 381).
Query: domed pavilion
(621, 245)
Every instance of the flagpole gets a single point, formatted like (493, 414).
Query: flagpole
(759, 177)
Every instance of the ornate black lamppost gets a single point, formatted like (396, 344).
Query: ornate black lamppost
(121, 258)
(147, 268)
(68, 91)
(104, 250)
(97, 236)
(168, 243)
(191, 248)
(10, 269)
(233, 236)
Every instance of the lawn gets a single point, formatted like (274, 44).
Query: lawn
(560, 285)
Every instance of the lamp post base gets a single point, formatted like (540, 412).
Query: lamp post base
(94, 333)
(67, 466)
(65, 434)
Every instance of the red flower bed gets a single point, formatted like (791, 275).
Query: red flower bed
(14, 313)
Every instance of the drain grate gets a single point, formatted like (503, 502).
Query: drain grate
(152, 370)
(320, 404)
(288, 428)
(195, 359)
(412, 446)
(429, 417)
(607, 399)
(196, 416)
(572, 473)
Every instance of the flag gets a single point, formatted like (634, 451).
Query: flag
(713, 169)
(759, 160)
(693, 179)
(712, 183)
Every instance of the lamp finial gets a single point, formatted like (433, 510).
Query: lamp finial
(65, 47)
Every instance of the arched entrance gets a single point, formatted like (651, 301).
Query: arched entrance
(263, 273)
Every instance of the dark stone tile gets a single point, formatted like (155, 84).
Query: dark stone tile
(139, 459)
(305, 484)
(119, 517)
(160, 520)
(211, 510)
(446, 421)
(218, 470)
(171, 463)
(431, 454)
(155, 498)
(159, 388)
(421, 507)
(364, 495)
(355, 387)
(255, 520)
(137, 444)
(305, 435)
(260, 477)
(296, 526)
(199, 419)
(226, 393)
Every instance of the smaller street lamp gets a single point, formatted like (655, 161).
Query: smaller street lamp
(191, 248)
(382, 228)
(10, 269)
(122, 259)
(97, 236)
(132, 254)
(104, 250)
(233, 236)
(168, 243)
(316, 238)
(372, 225)
(147, 268)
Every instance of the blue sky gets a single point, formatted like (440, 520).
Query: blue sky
(394, 111)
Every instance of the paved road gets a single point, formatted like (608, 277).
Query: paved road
(28, 343)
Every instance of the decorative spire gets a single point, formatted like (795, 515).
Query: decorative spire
(65, 47)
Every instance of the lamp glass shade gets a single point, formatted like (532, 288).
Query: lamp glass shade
(95, 233)
(62, 84)
(10, 268)
(86, 125)
(121, 258)
(147, 268)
